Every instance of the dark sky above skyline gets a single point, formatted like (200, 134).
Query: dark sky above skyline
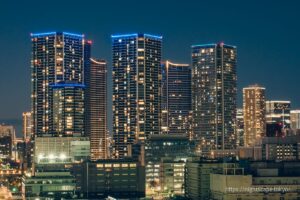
(265, 33)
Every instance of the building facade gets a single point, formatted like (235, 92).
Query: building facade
(240, 126)
(278, 114)
(136, 102)
(281, 148)
(254, 109)
(214, 92)
(176, 98)
(96, 111)
(295, 121)
(164, 155)
(57, 57)
(27, 125)
(68, 109)
(118, 178)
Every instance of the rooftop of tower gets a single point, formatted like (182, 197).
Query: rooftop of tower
(136, 35)
(56, 33)
(209, 45)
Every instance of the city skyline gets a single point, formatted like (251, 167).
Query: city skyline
(262, 49)
(149, 99)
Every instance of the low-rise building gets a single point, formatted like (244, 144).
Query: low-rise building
(233, 184)
(50, 181)
(119, 178)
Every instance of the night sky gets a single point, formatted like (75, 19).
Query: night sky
(265, 33)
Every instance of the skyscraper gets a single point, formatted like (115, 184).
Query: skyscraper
(96, 112)
(214, 95)
(176, 98)
(240, 126)
(295, 120)
(27, 125)
(68, 109)
(254, 108)
(57, 57)
(278, 115)
(136, 106)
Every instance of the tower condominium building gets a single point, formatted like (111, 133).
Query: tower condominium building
(96, 111)
(136, 63)
(214, 92)
(254, 109)
(176, 98)
(57, 58)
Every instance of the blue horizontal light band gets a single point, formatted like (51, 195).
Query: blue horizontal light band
(153, 36)
(42, 34)
(204, 45)
(73, 34)
(125, 35)
(62, 85)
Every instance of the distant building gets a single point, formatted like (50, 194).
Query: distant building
(27, 126)
(214, 92)
(254, 109)
(118, 178)
(136, 64)
(197, 178)
(50, 181)
(96, 108)
(166, 152)
(295, 121)
(7, 140)
(278, 114)
(234, 183)
(172, 176)
(53, 157)
(240, 127)
(176, 99)
(250, 153)
(281, 148)
(61, 149)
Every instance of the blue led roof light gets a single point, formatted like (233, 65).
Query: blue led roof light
(124, 35)
(73, 34)
(62, 85)
(153, 36)
(136, 35)
(42, 34)
(54, 33)
(204, 45)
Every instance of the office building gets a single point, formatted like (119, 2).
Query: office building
(117, 178)
(136, 63)
(161, 152)
(50, 181)
(57, 57)
(278, 115)
(214, 92)
(234, 182)
(51, 176)
(197, 178)
(96, 111)
(61, 149)
(281, 148)
(295, 121)
(172, 177)
(254, 109)
(27, 125)
(176, 98)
